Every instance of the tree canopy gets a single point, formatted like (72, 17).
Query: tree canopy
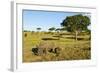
(52, 29)
(76, 23)
(38, 28)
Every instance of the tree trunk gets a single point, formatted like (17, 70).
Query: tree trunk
(76, 33)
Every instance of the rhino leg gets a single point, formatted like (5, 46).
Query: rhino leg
(57, 51)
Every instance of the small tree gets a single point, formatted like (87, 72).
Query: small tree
(38, 29)
(76, 23)
(58, 30)
(25, 34)
(51, 29)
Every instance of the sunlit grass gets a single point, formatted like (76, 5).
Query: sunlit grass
(71, 49)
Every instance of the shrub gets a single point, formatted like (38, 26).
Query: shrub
(25, 34)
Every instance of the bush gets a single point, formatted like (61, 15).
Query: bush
(25, 34)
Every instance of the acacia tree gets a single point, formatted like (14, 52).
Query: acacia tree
(58, 30)
(51, 29)
(38, 29)
(76, 23)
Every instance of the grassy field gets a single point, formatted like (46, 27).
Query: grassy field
(70, 49)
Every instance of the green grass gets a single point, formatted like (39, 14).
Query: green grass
(71, 49)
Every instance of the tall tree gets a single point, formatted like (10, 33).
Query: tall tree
(76, 23)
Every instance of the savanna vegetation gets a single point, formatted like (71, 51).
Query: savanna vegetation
(70, 42)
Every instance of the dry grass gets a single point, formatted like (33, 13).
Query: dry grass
(71, 49)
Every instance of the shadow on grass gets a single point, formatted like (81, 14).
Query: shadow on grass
(79, 38)
(50, 39)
